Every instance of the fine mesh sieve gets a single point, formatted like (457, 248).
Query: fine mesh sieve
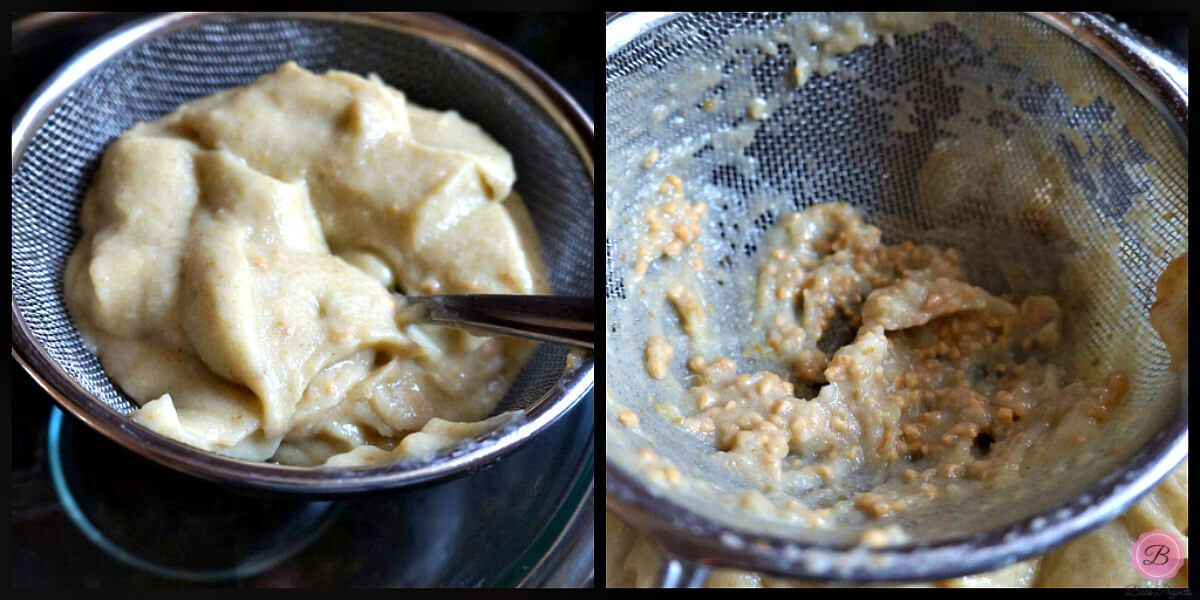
(1050, 150)
(146, 70)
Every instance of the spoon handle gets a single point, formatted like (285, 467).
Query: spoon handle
(561, 319)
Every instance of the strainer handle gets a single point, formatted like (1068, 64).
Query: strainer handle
(560, 319)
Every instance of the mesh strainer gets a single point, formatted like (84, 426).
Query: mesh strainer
(1049, 149)
(146, 70)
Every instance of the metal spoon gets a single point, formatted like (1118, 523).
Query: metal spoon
(561, 319)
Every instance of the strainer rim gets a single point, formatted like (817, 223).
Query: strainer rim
(633, 502)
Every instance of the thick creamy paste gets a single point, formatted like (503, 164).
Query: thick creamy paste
(238, 255)
(906, 384)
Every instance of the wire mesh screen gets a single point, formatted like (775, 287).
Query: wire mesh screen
(145, 82)
(992, 134)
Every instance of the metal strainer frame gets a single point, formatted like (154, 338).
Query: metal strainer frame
(572, 384)
(693, 543)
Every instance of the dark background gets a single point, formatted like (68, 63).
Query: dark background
(1167, 28)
